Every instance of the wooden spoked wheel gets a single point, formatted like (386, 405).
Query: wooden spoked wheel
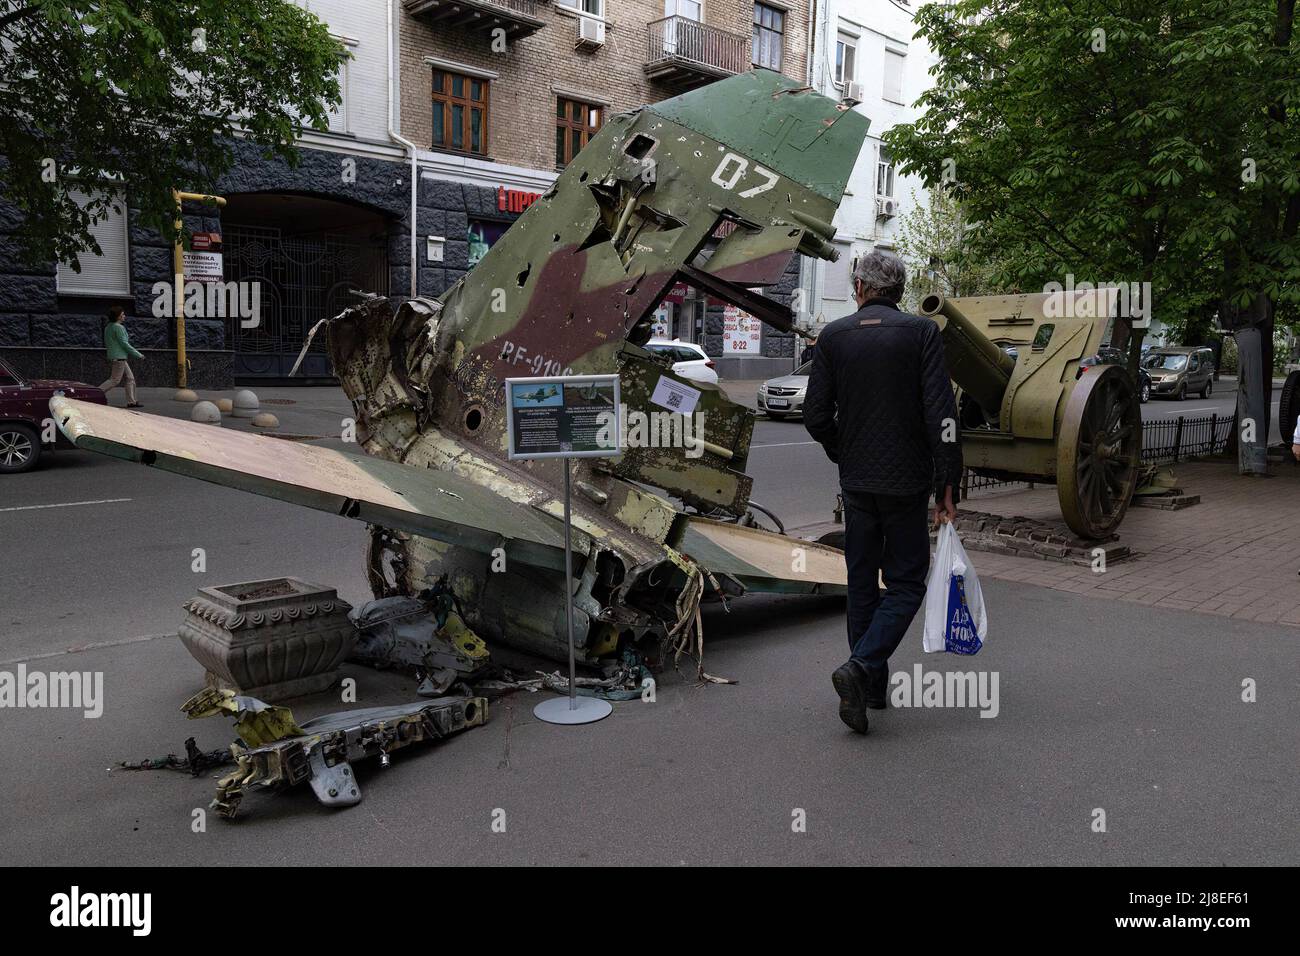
(1099, 451)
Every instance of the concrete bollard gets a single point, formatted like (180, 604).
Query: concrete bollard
(245, 404)
(206, 413)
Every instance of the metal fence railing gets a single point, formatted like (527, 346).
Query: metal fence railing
(1171, 440)
(1164, 441)
(972, 482)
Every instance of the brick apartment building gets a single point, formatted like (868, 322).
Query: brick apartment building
(499, 94)
(492, 97)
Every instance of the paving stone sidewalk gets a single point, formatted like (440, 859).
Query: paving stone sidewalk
(1236, 554)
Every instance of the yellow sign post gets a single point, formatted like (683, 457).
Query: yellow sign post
(178, 277)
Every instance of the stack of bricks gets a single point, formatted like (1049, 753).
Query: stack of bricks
(1031, 538)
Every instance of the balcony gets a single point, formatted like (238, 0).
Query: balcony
(685, 53)
(518, 18)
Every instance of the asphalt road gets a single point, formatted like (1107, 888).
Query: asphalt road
(1102, 706)
(1222, 402)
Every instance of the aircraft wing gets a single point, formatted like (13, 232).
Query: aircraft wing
(764, 561)
(432, 503)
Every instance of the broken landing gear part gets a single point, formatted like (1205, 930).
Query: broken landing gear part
(274, 752)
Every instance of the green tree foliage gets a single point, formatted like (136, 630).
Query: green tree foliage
(146, 95)
(942, 251)
(1122, 140)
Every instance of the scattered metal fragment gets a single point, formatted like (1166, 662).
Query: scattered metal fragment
(194, 762)
(274, 752)
(256, 721)
(427, 634)
(624, 679)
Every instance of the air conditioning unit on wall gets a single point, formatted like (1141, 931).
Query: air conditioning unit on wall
(886, 208)
(853, 93)
(591, 33)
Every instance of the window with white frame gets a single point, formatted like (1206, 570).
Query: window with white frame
(895, 63)
(592, 8)
(846, 59)
(338, 115)
(839, 275)
(108, 273)
(885, 174)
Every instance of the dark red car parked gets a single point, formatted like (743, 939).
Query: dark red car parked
(24, 409)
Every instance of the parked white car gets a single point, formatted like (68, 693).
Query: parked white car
(689, 360)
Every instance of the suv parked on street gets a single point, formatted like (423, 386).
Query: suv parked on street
(1178, 370)
(689, 360)
(24, 410)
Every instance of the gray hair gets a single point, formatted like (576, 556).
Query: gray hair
(882, 272)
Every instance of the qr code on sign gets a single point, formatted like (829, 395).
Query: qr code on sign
(675, 399)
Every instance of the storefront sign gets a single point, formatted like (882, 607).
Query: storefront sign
(741, 332)
(205, 241)
(678, 294)
(515, 200)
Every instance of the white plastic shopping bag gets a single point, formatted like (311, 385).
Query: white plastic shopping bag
(954, 606)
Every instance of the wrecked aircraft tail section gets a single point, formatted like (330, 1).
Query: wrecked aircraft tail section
(718, 188)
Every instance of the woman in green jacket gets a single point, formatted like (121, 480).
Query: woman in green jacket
(119, 351)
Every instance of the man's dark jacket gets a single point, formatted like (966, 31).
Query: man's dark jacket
(880, 402)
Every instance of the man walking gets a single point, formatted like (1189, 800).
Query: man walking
(120, 350)
(880, 403)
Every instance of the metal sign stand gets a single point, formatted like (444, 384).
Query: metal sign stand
(540, 423)
(575, 710)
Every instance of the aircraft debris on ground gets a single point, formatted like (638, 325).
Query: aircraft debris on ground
(274, 752)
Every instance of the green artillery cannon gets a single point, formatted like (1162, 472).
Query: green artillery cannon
(1029, 413)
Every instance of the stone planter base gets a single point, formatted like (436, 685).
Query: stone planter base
(272, 639)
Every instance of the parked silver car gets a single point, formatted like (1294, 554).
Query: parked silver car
(782, 396)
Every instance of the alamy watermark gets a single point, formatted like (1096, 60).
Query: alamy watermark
(75, 909)
(922, 688)
(654, 430)
(82, 690)
(1088, 300)
(210, 300)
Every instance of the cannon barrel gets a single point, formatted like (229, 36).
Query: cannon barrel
(975, 363)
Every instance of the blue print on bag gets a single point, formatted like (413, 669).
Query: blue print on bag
(960, 637)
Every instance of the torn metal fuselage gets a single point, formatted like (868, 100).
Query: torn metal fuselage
(571, 289)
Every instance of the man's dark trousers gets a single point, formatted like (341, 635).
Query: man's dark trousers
(889, 534)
